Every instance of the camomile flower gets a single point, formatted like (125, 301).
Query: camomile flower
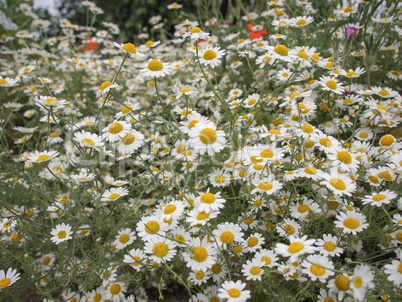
(234, 291)
(136, 258)
(331, 84)
(199, 278)
(7, 224)
(297, 247)
(124, 238)
(211, 56)
(201, 254)
(254, 242)
(195, 33)
(264, 59)
(49, 102)
(205, 138)
(387, 141)
(113, 194)
(116, 131)
(253, 269)
(328, 246)
(339, 184)
(83, 177)
(219, 178)
(228, 233)
(105, 87)
(351, 222)
(199, 217)
(41, 157)
(268, 257)
(318, 267)
(351, 74)
(251, 100)
(8, 82)
(288, 227)
(344, 159)
(151, 226)
(115, 291)
(173, 209)
(208, 202)
(8, 278)
(361, 280)
(129, 48)
(280, 52)
(380, 198)
(267, 185)
(300, 21)
(393, 270)
(62, 232)
(88, 140)
(36, 53)
(160, 249)
(130, 142)
(156, 69)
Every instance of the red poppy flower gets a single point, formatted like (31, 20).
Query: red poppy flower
(256, 34)
(90, 45)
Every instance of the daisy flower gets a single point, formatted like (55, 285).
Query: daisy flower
(113, 194)
(8, 278)
(280, 52)
(219, 178)
(331, 84)
(173, 209)
(88, 140)
(62, 232)
(115, 291)
(343, 159)
(227, 233)
(199, 278)
(83, 177)
(394, 271)
(387, 141)
(130, 142)
(297, 247)
(105, 87)
(8, 82)
(361, 280)
(202, 256)
(199, 217)
(252, 270)
(136, 258)
(49, 102)
(263, 60)
(124, 238)
(380, 198)
(328, 246)
(156, 69)
(234, 291)
(41, 157)
(205, 138)
(266, 185)
(351, 222)
(208, 202)
(160, 249)
(339, 184)
(318, 267)
(268, 257)
(151, 226)
(116, 131)
(128, 48)
(254, 242)
(300, 21)
(7, 224)
(211, 56)
(195, 33)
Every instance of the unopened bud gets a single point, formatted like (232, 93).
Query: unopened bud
(98, 239)
(26, 256)
(108, 180)
(28, 166)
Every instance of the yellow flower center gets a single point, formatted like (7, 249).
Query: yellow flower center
(126, 109)
(351, 223)
(331, 84)
(358, 281)
(208, 136)
(115, 128)
(97, 297)
(400, 268)
(266, 59)
(251, 102)
(341, 283)
(42, 158)
(329, 246)
(209, 55)
(310, 170)
(180, 238)
(307, 128)
(302, 208)
(396, 73)
(385, 175)
(129, 47)
(387, 140)
(255, 270)
(302, 54)
(2, 82)
(344, 157)
(338, 183)
(202, 216)
(200, 254)
(195, 30)
(234, 293)
(105, 85)
(266, 259)
(326, 142)
(351, 73)
(5, 282)
(289, 229)
(155, 65)
(379, 197)
(128, 139)
(317, 270)
(62, 234)
(220, 179)
(124, 238)
(265, 185)
(301, 22)
(199, 275)
(295, 247)
(281, 50)
(88, 141)
(152, 227)
(169, 209)
(114, 196)
(160, 249)
(208, 198)
(348, 9)
(149, 43)
(252, 241)
(183, 90)
(227, 237)
(46, 260)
